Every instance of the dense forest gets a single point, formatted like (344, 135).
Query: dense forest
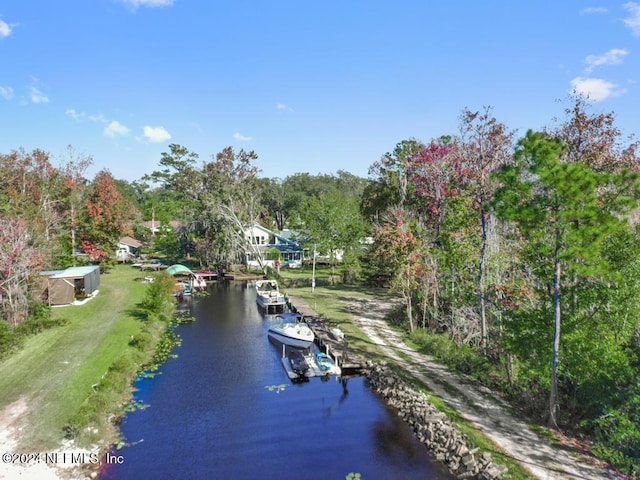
(521, 249)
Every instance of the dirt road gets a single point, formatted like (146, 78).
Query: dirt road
(490, 415)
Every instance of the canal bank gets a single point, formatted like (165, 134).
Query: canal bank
(431, 427)
(482, 417)
(50, 380)
(224, 408)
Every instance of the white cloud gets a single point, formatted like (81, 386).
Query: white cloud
(77, 116)
(37, 96)
(156, 134)
(5, 29)
(134, 4)
(97, 118)
(282, 106)
(612, 57)
(116, 129)
(596, 89)
(6, 92)
(241, 137)
(589, 10)
(633, 20)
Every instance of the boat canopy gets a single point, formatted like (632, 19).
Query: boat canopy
(178, 269)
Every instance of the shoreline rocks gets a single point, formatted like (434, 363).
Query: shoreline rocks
(432, 427)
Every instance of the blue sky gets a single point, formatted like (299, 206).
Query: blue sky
(310, 86)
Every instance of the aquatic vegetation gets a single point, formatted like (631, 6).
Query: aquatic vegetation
(277, 388)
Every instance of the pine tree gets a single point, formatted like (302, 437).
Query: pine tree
(565, 211)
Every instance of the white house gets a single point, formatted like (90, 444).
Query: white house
(262, 239)
(128, 249)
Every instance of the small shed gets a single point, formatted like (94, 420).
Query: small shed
(63, 285)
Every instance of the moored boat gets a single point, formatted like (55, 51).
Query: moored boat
(182, 289)
(298, 363)
(327, 364)
(324, 361)
(292, 330)
(268, 296)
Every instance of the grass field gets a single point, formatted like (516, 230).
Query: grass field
(329, 303)
(56, 369)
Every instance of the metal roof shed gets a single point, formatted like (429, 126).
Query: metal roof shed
(64, 285)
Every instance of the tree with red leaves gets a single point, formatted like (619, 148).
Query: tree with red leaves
(399, 247)
(107, 213)
(19, 261)
(435, 173)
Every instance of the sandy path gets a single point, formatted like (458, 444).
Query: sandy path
(488, 414)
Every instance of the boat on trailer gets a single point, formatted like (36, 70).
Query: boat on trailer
(269, 297)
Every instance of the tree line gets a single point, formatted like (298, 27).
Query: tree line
(520, 249)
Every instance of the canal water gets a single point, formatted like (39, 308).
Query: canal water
(225, 409)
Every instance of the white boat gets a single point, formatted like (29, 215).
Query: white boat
(268, 296)
(292, 330)
(197, 283)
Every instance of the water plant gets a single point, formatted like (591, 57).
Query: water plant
(277, 388)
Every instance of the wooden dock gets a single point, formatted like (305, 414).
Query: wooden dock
(325, 340)
(314, 368)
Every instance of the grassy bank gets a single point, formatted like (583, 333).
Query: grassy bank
(330, 303)
(57, 370)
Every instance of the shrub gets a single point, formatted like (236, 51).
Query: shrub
(117, 377)
(142, 341)
(40, 319)
(158, 299)
(8, 338)
(618, 438)
(465, 358)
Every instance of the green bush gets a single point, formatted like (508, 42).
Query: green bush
(8, 339)
(158, 299)
(40, 319)
(464, 359)
(117, 377)
(618, 438)
(85, 416)
(142, 341)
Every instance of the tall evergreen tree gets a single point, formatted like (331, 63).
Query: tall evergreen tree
(561, 213)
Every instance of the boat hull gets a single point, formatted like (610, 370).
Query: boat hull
(268, 297)
(271, 304)
(294, 335)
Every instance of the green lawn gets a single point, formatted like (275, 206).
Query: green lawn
(55, 370)
(329, 303)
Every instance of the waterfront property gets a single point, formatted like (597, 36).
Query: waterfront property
(64, 287)
(263, 240)
(225, 408)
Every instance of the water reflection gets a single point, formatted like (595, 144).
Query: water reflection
(225, 408)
